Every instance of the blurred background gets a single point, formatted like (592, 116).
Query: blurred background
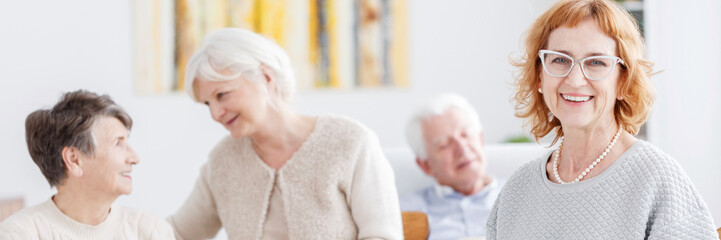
(462, 46)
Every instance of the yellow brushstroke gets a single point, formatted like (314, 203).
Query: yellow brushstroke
(333, 44)
(269, 19)
(314, 44)
(399, 45)
(185, 41)
(157, 65)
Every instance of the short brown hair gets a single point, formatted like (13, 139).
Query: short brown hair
(67, 124)
(616, 22)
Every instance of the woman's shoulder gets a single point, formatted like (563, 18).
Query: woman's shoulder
(343, 128)
(648, 164)
(43, 210)
(647, 156)
(341, 123)
(147, 225)
(342, 138)
(527, 172)
(26, 219)
(226, 154)
(228, 146)
(229, 143)
(154, 227)
(670, 185)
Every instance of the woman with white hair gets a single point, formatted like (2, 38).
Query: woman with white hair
(280, 174)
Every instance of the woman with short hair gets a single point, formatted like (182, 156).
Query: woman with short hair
(81, 147)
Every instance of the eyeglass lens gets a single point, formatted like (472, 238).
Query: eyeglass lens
(595, 68)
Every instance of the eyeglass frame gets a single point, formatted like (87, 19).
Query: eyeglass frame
(543, 52)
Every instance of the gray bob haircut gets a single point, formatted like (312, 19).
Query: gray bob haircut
(435, 107)
(228, 53)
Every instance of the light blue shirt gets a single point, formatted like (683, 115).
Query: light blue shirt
(452, 215)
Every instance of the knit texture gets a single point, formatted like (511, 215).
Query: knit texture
(46, 221)
(643, 195)
(338, 185)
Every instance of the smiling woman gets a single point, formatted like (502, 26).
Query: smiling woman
(280, 174)
(584, 78)
(575, 99)
(81, 147)
(236, 104)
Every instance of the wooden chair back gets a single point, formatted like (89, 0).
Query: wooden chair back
(415, 225)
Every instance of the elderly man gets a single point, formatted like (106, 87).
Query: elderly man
(81, 147)
(446, 137)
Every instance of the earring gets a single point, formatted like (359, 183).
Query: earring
(619, 98)
(550, 116)
(540, 91)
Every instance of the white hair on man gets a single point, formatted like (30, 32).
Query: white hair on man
(438, 105)
(231, 52)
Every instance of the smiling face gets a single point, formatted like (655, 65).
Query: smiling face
(108, 169)
(575, 100)
(455, 157)
(240, 105)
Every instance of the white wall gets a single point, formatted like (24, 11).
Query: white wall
(684, 40)
(459, 46)
(55, 46)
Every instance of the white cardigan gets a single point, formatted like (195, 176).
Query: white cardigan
(338, 185)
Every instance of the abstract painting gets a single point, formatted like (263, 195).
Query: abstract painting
(334, 44)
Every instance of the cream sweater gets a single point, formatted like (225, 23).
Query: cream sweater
(338, 185)
(46, 221)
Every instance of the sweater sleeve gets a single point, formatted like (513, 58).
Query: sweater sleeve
(163, 232)
(13, 230)
(679, 211)
(154, 228)
(373, 196)
(198, 217)
(491, 224)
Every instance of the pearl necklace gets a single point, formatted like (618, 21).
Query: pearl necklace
(589, 168)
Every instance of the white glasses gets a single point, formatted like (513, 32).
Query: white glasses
(595, 68)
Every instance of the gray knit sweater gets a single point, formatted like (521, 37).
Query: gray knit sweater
(643, 195)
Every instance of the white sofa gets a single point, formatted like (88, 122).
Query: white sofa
(503, 160)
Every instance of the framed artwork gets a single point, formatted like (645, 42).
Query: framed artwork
(333, 44)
